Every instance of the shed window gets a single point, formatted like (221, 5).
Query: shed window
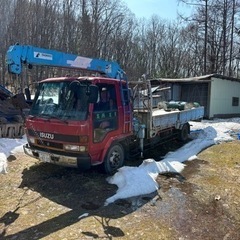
(235, 101)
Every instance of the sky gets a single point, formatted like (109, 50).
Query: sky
(166, 9)
(141, 180)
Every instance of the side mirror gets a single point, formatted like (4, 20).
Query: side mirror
(74, 86)
(92, 92)
(27, 94)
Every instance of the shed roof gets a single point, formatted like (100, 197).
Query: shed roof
(199, 79)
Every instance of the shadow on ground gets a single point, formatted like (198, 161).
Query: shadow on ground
(84, 193)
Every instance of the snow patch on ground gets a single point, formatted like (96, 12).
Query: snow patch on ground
(9, 147)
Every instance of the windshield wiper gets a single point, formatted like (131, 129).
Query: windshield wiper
(38, 115)
(60, 118)
(48, 117)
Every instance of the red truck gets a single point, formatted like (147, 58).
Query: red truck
(93, 120)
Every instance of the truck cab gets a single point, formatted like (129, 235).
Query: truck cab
(80, 122)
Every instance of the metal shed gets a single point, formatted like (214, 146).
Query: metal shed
(217, 93)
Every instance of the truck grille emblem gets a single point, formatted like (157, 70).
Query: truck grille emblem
(46, 135)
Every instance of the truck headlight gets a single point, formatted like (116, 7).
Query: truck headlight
(75, 148)
(31, 140)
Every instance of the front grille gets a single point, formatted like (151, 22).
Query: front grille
(57, 137)
(50, 144)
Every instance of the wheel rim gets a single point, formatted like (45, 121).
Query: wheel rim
(114, 159)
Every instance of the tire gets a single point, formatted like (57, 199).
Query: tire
(114, 159)
(183, 135)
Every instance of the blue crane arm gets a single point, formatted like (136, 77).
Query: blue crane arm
(17, 55)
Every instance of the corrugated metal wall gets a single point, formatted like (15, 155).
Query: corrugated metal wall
(192, 92)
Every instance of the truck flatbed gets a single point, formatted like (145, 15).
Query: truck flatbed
(159, 119)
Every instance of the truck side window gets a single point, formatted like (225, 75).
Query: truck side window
(103, 103)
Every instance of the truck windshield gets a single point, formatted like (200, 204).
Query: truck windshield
(60, 100)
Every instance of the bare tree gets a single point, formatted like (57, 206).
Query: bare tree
(6, 14)
(207, 42)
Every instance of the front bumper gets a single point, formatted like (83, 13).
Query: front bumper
(82, 162)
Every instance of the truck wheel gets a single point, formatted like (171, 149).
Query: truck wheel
(183, 135)
(114, 159)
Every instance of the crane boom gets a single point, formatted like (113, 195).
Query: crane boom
(17, 55)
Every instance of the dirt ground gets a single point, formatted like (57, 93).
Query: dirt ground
(42, 201)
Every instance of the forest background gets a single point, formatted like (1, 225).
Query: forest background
(205, 42)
